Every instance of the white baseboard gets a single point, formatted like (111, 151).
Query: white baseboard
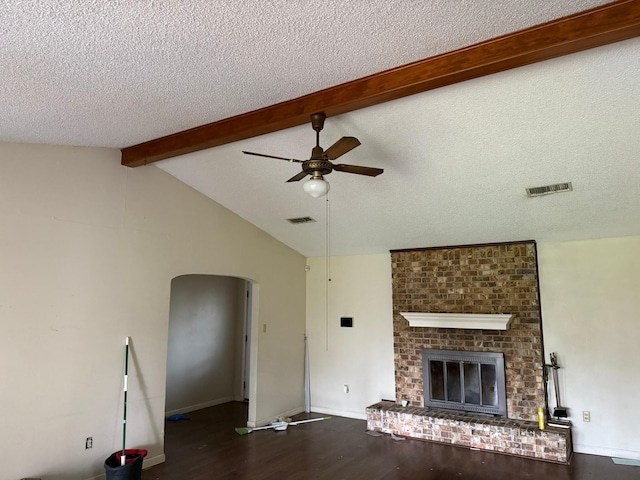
(149, 462)
(267, 421)
(339, 413)
(292, 412)
(200, 406)
(606, 452)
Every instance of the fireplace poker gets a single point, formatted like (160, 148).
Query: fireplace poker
(558, 412)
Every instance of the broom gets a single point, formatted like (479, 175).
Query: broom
(277, 425)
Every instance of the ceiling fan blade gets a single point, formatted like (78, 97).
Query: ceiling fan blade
(370, 171)
(342, 146)
(271, 156)
(297, 177)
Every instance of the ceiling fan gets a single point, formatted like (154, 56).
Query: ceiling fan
(320, 162)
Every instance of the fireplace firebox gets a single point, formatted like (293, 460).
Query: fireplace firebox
(467, 381)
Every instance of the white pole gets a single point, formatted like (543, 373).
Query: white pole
(307, 386)
(123, 458)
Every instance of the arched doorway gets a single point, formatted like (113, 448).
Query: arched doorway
(209, 347)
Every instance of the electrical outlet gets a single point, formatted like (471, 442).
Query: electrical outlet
(586, 416)
(88, 443)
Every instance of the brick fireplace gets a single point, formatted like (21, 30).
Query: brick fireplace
(483, 279)
(478, 279)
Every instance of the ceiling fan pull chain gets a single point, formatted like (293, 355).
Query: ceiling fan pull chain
(328, 268)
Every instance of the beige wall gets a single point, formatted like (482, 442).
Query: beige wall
(362, 356)
(590, 297)
(88, 249)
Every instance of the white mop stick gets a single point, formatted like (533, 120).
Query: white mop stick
(309, 421)
(123, 459)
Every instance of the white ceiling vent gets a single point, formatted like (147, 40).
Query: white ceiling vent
(300, 220)
(548, 189)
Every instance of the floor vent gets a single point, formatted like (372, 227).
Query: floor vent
(300, 220)
(548, 189)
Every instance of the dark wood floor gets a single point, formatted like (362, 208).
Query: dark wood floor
(207, 447)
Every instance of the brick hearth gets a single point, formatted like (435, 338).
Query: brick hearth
(514, 437)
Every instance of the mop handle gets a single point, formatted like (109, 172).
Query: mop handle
(123, 458)
(310, 420)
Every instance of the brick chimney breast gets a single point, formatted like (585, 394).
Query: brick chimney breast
(483, 279)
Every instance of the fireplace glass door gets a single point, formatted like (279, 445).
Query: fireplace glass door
(468, 381)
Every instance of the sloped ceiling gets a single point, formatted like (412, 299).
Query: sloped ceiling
(456, 159)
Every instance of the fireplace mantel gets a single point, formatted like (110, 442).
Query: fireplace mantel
(478, 321)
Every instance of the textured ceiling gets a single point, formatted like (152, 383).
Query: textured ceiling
(456, 159)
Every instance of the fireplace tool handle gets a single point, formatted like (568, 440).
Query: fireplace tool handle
(559, 412)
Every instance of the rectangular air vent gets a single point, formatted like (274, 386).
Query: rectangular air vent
(548, 189)
(300, 220)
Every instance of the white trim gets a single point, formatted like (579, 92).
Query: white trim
(478, 321)
(339, 413)
(266, 421)
(606, 452)
(200, 406)
(253, 355)
(149, 462)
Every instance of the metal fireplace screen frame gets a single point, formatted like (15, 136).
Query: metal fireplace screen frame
(467, 381)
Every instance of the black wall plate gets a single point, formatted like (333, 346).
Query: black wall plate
(346, 321)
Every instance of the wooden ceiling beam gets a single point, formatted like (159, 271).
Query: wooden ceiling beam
(593, 28)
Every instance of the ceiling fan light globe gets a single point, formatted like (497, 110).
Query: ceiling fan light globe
(316, 187)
